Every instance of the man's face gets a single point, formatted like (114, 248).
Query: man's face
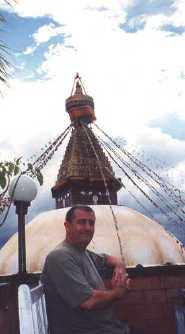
(80, 230)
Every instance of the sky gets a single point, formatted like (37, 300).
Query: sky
(130, 55)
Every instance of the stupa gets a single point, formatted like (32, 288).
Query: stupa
(85, 169)
(154, 258)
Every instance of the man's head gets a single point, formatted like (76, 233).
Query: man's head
(79, 225)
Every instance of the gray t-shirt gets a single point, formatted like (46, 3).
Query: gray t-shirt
(69, 277)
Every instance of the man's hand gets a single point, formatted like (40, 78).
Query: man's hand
(120, 283)
(120, 279)
(120, 276)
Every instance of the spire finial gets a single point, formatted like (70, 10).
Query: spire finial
(77, 76)
(79, 105)
(78, 88)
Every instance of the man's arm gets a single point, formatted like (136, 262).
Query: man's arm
(114, 261)
(101, 298)
(120, 285)
(119, 270)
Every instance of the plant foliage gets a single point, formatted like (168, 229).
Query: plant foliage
(8, 169)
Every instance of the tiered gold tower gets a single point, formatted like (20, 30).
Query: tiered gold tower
(85, 175)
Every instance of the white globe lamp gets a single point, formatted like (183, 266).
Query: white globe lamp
(22, 191)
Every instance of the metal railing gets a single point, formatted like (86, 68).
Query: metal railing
(180, 312)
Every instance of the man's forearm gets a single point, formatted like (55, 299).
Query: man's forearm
(101, 298)
(113, 261)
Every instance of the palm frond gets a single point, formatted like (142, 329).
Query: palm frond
(4, 63)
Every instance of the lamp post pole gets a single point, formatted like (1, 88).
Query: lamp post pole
(22, 191)
(21, 210)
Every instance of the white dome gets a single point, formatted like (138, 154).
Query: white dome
(143, 240)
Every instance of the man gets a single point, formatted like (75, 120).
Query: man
(77, 300)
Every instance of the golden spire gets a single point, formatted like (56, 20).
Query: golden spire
(79, 105)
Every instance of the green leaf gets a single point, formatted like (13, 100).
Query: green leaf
(10, 168)
(2, 180)
(30, 167)
(16, 170)
(39, 177)
(17, 161)
(2, 168)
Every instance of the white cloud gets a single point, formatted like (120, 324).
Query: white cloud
(45, 32)
(153, 138)
(177, 176)
(68, 10)
(179, 16)
(28, 109)
(133, 78)
(29, 50)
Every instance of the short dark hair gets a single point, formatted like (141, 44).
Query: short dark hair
(71, 212)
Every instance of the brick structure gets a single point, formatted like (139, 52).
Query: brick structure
(150, 305)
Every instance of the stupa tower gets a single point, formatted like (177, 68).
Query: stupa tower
(85, 175)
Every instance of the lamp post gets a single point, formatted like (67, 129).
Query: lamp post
(22, 191)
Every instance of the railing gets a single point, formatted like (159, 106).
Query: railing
(32, 310)
(180, 312)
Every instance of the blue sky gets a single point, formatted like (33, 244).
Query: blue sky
(172, 125)
(152, 7)
(138, 11)
(19, 36)
(130, 54)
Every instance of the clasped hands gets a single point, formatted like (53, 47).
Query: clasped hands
(120, 280)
